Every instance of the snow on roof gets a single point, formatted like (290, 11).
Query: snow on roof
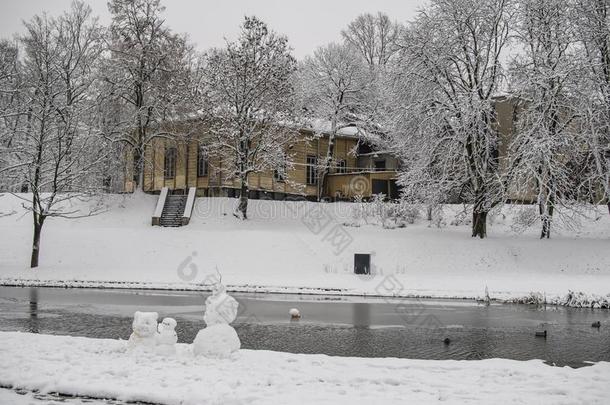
(324, 127)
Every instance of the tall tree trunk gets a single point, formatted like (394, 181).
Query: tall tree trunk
(242, 207)
(323, 181)
(141, 124)
(479, 223)
(479, 214)
(546, 213)
(38, 221)
(138, 169)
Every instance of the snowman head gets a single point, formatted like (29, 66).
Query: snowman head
(145, 323)
(218, 289)
(168, 324)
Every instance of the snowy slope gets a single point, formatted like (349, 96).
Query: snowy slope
(105, 369)
(279, 249)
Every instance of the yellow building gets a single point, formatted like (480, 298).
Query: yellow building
(357, 170)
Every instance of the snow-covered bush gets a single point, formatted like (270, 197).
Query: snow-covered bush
(524, 218)
(496, 216)
(462, 218)
(388, 214)
(437, 216)
(533, 298)
(358, 212)
(572, 299)
(582, 300)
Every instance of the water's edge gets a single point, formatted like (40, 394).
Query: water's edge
(530, 299)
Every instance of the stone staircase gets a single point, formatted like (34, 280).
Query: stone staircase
(173, 211)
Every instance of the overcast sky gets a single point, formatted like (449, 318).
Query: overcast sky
(307, 23)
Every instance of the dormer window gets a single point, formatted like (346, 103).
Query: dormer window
(379, 165)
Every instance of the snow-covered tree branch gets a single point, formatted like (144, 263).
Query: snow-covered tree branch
(453, 51)
(56, 143)
(249, 104)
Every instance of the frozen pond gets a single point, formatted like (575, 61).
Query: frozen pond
(330, 325)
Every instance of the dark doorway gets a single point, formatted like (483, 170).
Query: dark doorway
(362, 263)
(394, 190)
(380, 187)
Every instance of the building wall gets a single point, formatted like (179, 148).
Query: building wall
(352, 185)
(217, 180)
(368, 161)
(507, 111)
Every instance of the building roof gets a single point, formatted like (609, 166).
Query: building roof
(323, 127)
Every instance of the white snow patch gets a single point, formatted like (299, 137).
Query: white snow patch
(103, 368)
(274, 251)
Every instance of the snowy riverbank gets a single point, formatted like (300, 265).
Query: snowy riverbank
(279, 250)
(105, 369)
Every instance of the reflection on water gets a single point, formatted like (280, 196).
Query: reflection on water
(369, 328)
(362, 315)
(33, 324)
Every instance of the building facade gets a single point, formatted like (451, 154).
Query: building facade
(357, 170)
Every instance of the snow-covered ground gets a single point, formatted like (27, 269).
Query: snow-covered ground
(106, 369)
(24, 397)
(302, 247)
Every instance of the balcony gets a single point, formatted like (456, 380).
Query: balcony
(362, 183)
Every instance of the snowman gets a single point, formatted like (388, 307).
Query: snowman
(144, 328)
(218, 339)
(166, 337)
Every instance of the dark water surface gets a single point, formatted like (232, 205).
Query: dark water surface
(335, 326)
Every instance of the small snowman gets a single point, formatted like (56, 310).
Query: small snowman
(144, 328)
(220, 307)
(218, 339)
(166, 336)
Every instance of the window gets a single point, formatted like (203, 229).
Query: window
(170, 163)
(342, 166)
(379, 165)
(202, 163)
(312, 170)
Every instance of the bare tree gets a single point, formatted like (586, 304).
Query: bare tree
(593, 30)
(374, 36)
(333, 86)
(249, 99)
(10, 77)
(147, 71)
(546, 147)
(57, 144)
(454, 50)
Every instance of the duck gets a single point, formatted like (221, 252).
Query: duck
(541, 334)
(596, 324)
